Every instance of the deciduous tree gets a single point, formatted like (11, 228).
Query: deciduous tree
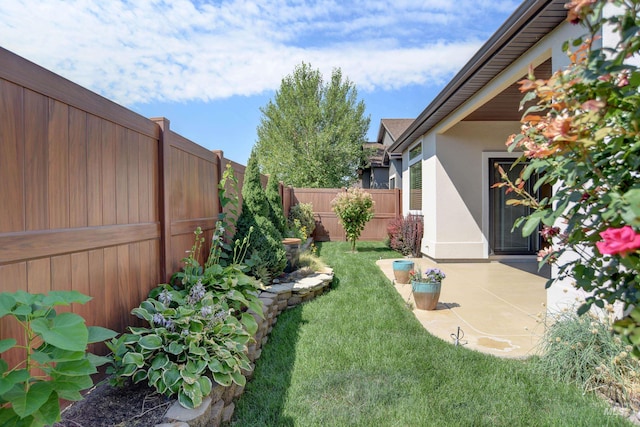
(311, 133)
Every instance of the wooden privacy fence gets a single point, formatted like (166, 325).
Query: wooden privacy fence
(94, 197)
(388, 205)
(98, 199)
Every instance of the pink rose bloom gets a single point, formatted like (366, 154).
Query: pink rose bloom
(619, 241)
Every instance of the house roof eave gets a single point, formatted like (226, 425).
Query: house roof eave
(538, 17)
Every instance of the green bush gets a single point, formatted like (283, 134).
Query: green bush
(276, 214)
(354, 209)
(267, 256)
(56, 364)
(301, 221)
(582, 350)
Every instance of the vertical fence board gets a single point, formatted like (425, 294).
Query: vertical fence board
(111, 294)
(39, 274)
(122, 286)
(142, 168)
(80, 282)
(9, 327)
(37, 161)
(122, 178)
(97, 288)
(11, 158)
(108, 173)
(94, 171)
(133, 166)
(58, 139)
(77, 168)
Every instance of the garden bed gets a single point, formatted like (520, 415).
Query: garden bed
(139, 405)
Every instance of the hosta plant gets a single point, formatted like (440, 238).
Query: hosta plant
(193, 337)
(199, 325)
(55, 364)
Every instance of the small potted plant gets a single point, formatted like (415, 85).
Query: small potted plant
(402, 269)
(426, 287)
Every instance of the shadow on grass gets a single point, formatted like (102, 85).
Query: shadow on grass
(381, 250)
(263, 400)
(335, 283)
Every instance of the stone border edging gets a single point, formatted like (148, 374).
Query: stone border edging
(218, 407)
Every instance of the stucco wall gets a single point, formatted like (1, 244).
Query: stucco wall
(454, 205)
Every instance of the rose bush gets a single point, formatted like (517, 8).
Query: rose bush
(582, 138)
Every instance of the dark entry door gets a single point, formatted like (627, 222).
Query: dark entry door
(502, 216)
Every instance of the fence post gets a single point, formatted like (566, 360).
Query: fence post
(164, 208)
(221, 166)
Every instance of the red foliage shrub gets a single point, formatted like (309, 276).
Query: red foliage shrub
(405, 234)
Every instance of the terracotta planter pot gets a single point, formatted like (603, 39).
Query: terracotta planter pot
(426, 295)
(401, 269)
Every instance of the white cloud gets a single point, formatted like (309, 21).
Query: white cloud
(179, 50)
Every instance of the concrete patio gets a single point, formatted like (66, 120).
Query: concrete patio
(496, 306)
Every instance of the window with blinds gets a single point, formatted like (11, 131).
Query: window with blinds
(415, 186)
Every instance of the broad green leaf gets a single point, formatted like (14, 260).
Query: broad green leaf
(142, 314)
(3, 367)
(154, 377)
(8, 418)
(75, 368)
(96, 360)
(49, 353)
(99, 334)
(7, 302)
(66, 331)
(222, 378)
(128, 370)
(196, 350)
(134, 358)
(194, 392)
(54, 298)
(70, 395)
(185, 400)
(140, 375)
(61, 383)
(6, 344)
(175, 348)
(10, 380)
(22, 311)
(205, 385)
(256, 306)
(150, 342)
(238, 378)
(531, 225)
(171, 376)
(49, 412)
(26, 298)
(159, 361)
(249, 323)
(26, 403)
(188, 376)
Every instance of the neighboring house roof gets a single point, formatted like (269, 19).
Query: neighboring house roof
(394, 127)
(524, 28)
(378, 157)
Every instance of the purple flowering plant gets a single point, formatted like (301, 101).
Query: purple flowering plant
(431, 275)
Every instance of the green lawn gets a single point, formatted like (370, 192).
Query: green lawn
(358, 357)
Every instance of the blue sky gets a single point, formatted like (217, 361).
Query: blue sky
(209, 65)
